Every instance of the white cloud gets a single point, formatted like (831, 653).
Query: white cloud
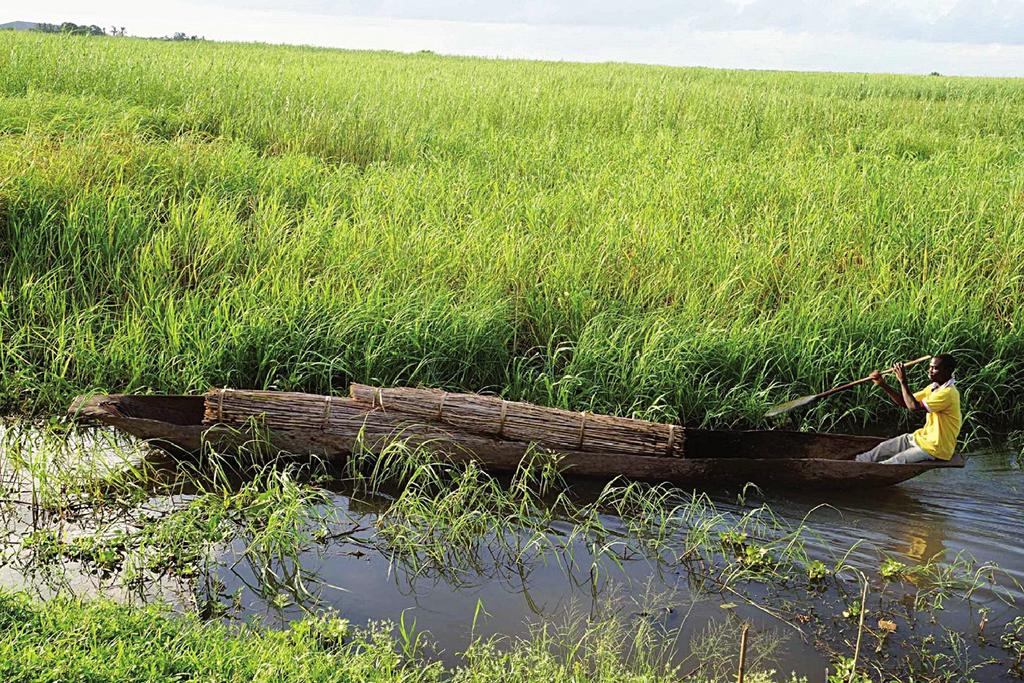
(961, 21)
(856, 35)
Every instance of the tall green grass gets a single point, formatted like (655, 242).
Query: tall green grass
(669, 243)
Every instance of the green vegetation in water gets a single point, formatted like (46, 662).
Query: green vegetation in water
(1013, 642)
(71, 640)
(132, 525)
(677, 244)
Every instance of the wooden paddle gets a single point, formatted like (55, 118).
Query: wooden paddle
(797, 402)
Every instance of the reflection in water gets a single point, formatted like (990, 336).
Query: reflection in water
(42, 477)
(973, 510)
(510, 582)
(922, 521)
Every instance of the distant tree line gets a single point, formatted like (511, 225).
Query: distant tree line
(79, 29)
(93, 30)
(182, 36)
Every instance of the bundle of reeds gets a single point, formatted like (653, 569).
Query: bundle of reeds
(291, 411)
(336, 416)
(334, 425)
(552, 428)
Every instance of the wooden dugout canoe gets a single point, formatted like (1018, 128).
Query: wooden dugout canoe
(771, 459)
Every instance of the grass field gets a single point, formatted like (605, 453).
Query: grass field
(99, 641)
(669, 243)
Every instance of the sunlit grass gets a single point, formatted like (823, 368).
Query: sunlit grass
(69, 639)
(673, 244)
(667, 243)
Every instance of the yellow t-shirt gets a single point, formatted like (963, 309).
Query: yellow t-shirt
(942, 424)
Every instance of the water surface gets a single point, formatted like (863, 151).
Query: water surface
(950, 516)
(945, 514)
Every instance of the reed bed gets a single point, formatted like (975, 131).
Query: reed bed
(102, 640)
(679, 245)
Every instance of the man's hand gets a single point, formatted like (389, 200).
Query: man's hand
(901, 397)
(907, 396)
(900, 372)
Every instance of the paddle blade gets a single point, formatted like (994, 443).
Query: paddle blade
(790, 405)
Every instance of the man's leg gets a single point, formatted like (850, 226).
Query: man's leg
(888, 448)
(911, 455)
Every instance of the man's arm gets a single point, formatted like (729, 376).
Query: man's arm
(905, 397)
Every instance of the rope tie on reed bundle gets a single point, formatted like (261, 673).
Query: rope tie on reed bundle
(583, 425)
(671, 440)
(325, 419)
(501, 420)
(220, 404)
(440, 405)
(378, 395)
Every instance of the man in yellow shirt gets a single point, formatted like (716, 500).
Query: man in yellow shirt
(941, 403)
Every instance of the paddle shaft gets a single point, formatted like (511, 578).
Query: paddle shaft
(864, 380)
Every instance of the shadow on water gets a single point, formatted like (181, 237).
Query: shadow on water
(688, 564)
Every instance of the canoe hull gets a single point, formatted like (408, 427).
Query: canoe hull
(770, 459)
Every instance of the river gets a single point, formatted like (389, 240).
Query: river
(948, 514)
(959, 519)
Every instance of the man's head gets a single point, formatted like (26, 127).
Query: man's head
(941, 368)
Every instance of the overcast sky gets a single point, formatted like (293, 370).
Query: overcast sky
(972, 37)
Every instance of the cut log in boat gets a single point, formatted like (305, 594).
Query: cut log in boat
(332, 427)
